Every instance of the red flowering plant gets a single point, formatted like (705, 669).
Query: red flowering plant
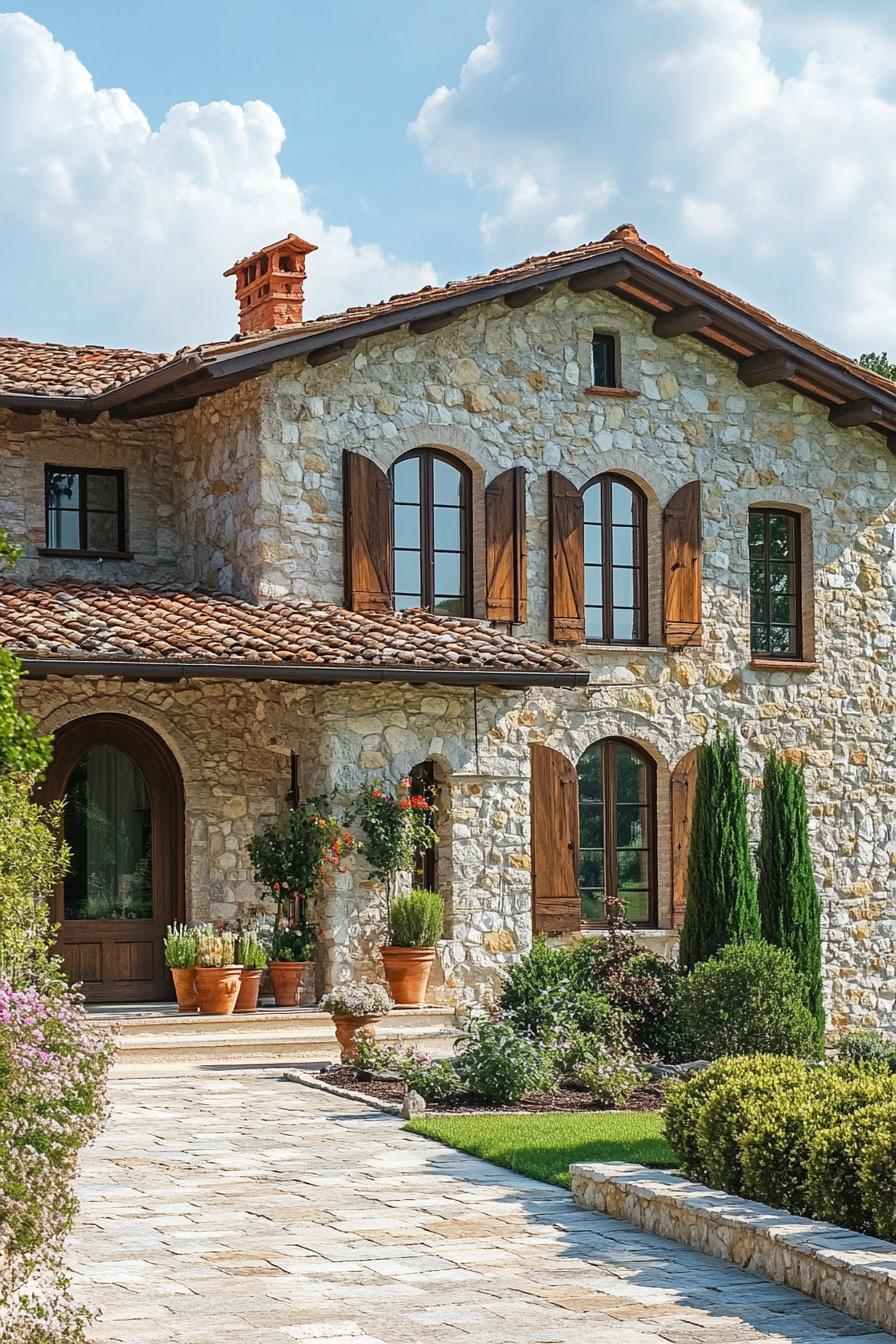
(289, 857)
(397, 826)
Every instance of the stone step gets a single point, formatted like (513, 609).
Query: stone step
(161, 1034)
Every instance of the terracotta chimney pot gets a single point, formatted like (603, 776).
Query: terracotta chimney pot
(270, 284)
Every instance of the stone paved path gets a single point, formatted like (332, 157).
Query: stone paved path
(220, 1207)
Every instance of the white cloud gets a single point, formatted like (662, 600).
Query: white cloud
(741, 142)
(118, 233)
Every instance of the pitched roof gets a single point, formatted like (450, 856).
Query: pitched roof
(193, 632)
(630, 268)
(69, 370)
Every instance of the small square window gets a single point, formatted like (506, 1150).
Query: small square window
(603, 359)
(84, 510)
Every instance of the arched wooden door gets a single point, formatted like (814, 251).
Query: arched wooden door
(124, 823)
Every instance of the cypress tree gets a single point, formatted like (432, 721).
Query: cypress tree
(721, 906)
(789, 907)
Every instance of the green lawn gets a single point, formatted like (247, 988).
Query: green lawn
(543, 1146)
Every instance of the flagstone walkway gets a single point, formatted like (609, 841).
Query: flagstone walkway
(233, 1206)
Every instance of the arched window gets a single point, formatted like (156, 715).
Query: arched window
(432, 533)
(617, 831)
(615, 562)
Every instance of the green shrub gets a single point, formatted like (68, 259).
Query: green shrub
(642, 985)
(855, 1046)
(740, 1102)
(684, 1102)
(434, 1079)
(372, 1054)
(748, 999)
(250, 951)
(584, 1061)
(834, 1163)
(180, 946)
(877, 1174)
(417, 919)
(542, 987)
(500, 1065)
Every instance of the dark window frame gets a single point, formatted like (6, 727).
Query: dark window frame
(82, 473)
(426, 457)
(609, 747)
(423, 781)
(794, 652)
(640, 634)
(609, 346)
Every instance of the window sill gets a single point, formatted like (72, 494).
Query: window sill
(603, 646)
(610, 392)
(48, 553)
(641, 931)
(783, 665)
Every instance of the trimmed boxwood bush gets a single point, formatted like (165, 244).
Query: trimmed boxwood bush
(867, 1046)
(816, 1140)
(748, 999)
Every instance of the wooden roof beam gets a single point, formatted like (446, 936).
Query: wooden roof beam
(768, 366)
(603, 277)
(861, 411)
(682, 321)
(422, 325)
(326, 354)
(520, 298)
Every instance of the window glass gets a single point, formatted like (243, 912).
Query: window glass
(432, 561)
(614, 578)
(108, 827)
(616, 829)
(775, 615)
(83, 510)
(603, 354)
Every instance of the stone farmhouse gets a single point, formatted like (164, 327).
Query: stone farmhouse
(527, 536)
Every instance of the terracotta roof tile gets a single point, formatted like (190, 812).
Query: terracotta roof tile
(82, 620)
(45, 369)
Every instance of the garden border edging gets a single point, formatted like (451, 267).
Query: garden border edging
(853, 1273)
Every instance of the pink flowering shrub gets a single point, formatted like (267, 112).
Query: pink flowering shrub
(53, 1065)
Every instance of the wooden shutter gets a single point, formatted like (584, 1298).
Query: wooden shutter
(684, 781)
(555, 842)
(682, 598)
(367, 534)
(567, 514)
(505, 546)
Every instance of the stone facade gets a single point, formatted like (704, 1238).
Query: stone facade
(247, 493)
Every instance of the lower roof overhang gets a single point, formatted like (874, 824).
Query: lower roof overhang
(312, 675)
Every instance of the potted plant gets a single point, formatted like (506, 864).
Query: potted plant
(416, 921)
(397, 827)
(217, 974)
(180, 958)
(355, 1008)
(289, 857)
(252, 957)
(292, 948)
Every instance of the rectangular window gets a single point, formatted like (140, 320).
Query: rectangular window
(603, 360)
(85, 510)
(775, 583)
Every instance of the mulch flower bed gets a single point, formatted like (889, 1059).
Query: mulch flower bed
(651, 1097)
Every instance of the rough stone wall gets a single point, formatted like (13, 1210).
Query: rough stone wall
(143, 450)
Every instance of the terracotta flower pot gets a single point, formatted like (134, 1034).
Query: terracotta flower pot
(217, 988)
(184, 978)
(347, 1029)
(286, 981)
(407, 973)
(250, 983)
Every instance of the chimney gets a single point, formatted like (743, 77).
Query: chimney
(270, 284)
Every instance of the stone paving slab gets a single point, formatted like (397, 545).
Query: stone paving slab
(217, 1207)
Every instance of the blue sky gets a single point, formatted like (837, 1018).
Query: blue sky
(144, 146)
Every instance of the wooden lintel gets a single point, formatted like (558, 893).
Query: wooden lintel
(768, 366)
(137, 411)
(422, 325)
(327, 353)
(681, 321)
(603, 277)
(891, 443)
(851, 414)
(520, 298)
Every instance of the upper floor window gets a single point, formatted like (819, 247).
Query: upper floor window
(85, 510)
(603, 360)
(615, 563)
(432, 533)
(775, 582)
(617, 831)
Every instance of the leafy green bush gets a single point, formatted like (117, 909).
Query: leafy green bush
(434, 1079)
(870, 1046)
(500, 1065)
(735, 1106)
(642, 985)
(836, 1154)
(372, 1054)
(748, 999)
(417, 919)
(684, 1101)
(877, 1173)
(543, 987)
(583, 1060)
